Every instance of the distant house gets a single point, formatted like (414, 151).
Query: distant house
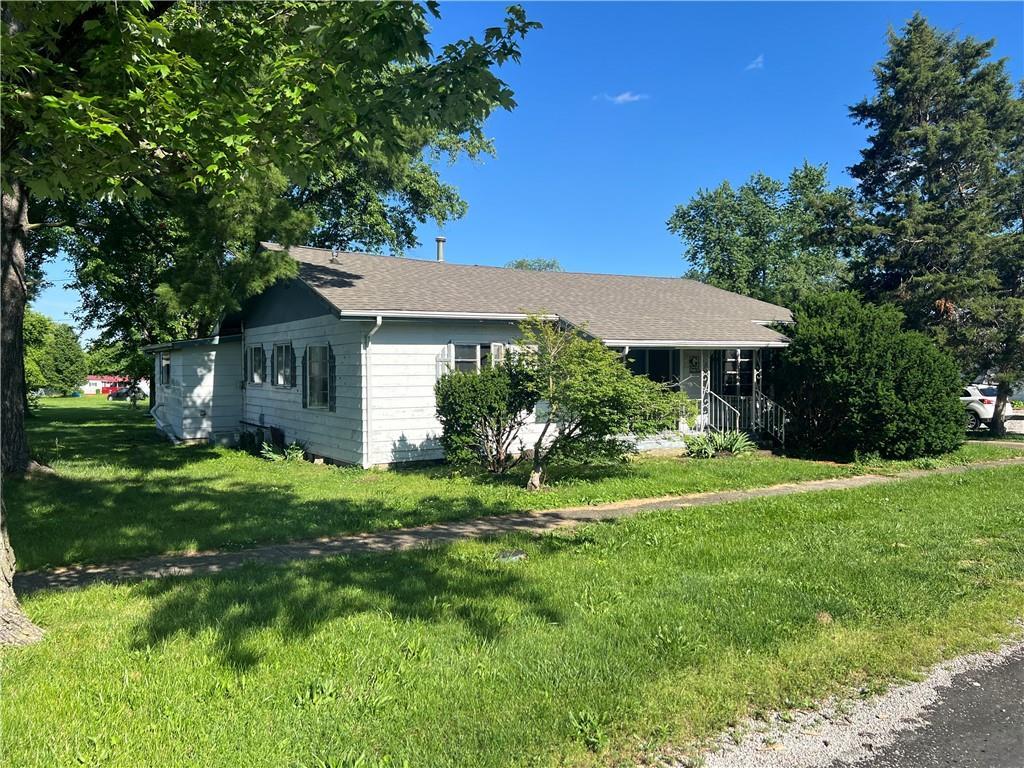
(344, 358)
(103, 385)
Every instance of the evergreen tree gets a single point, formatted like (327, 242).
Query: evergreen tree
(942, 183)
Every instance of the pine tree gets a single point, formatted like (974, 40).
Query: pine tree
(943, 188)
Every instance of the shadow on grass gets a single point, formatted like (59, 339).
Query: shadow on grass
(99, 520)
(296, 599)
(113, 434)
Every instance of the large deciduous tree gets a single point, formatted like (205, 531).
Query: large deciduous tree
(942, 184)
(149, 270)
(535, 265)
(112, 101)
(768, 239)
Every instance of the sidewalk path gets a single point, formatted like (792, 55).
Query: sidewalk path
(201, 563)
(1001, 443)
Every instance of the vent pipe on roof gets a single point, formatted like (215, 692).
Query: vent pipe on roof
(440, 247)
(334, 255)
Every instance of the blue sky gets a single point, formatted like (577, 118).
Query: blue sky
(627, 109)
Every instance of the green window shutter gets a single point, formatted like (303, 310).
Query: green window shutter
(263, 357)
(245, 365)
(332, 384)
(305, 377)
(291, 367)
(273, 364)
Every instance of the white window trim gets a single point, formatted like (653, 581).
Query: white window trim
(287, 346)
(309, 379)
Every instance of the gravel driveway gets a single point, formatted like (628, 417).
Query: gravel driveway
(968, 713)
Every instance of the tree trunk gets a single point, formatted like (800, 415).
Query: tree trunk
(997, 426)
(14, 455)
(15, 627)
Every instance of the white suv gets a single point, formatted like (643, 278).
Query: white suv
(980, 402)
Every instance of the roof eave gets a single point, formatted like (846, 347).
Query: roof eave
(696, 343)
(204, 341)
(415, 315)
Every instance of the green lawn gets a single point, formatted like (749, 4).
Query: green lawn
(120, 491)
(606, 643)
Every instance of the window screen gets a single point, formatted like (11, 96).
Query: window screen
(318, 378)
(256, 365)
(282, 365)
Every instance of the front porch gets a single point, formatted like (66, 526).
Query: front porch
(727, 383)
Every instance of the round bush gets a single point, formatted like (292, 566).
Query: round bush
(855, 382)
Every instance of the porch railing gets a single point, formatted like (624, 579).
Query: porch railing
(770, 417)
(754, 413)
(718, 414)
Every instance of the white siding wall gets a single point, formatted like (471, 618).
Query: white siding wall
(402, 365)
(336, 435)
(168, 407)
(197, 378)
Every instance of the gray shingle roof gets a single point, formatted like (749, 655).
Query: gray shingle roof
(611, 307)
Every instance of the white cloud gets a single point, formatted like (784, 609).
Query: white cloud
(626, 97)
(757, 63)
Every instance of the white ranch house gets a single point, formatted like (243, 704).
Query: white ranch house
(344, 358)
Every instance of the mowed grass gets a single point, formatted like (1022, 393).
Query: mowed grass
(120, 491)
(603, 646)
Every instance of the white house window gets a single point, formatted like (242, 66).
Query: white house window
(467, 357)
(165, 368)
(283, 365)
(492, 354)
(256, 364)
(472, 357)
(318, 377)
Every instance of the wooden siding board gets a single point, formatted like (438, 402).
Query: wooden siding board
(334, 434)
(402, 369)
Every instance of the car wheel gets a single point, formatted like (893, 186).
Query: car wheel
(973, 422)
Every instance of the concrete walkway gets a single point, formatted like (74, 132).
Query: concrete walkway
(1000, 443)
(202, 563)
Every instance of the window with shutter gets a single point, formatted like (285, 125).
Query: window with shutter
(257, 365)
(317, 377)
(305, 377)
(332, 380)
(283, 375)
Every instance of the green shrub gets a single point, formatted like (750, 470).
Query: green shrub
(711, 444)
(594, 405)
(854, 382)
(291, 452)
(481, 414)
